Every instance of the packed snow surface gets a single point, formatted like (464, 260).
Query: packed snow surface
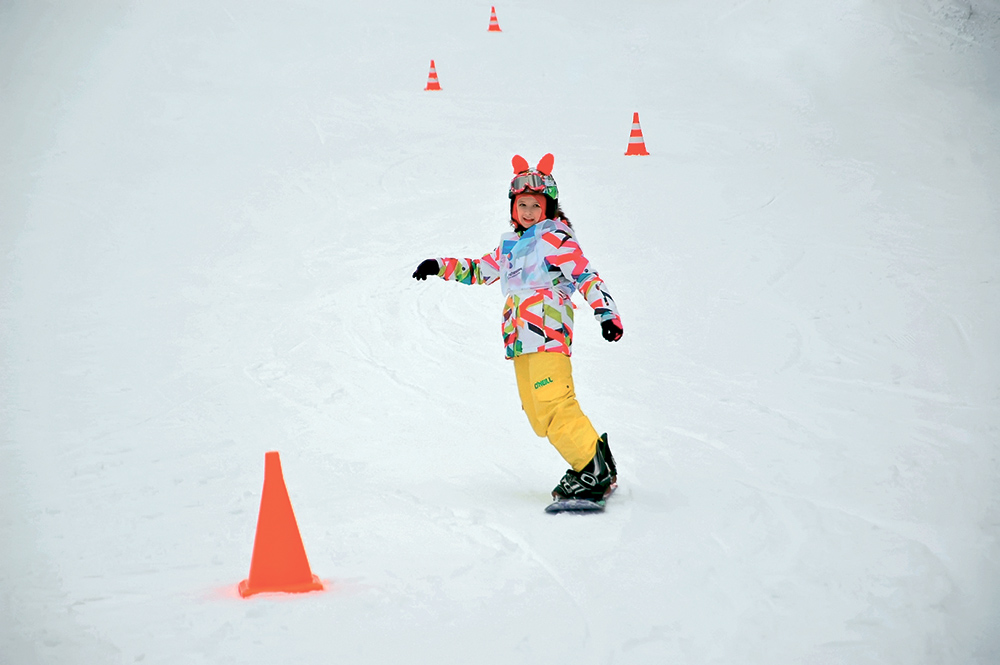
(209, 213)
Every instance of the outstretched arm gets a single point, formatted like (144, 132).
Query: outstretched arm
(485, 270)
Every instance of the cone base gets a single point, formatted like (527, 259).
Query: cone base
(433, 87)
(314, 585)
(636, 152)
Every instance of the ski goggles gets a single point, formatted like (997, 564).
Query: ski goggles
(534, 182)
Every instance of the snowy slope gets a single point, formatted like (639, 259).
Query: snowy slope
(209, 213)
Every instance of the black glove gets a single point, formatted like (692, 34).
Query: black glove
(427, 268)
(611, 331)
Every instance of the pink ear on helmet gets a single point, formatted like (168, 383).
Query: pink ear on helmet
(545, 164)
(519, 163)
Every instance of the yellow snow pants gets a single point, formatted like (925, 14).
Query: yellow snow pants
(545, 383)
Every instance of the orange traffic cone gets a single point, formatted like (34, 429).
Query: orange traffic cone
(279, 560)
(432, 79)
(494, 24)
(636, 144)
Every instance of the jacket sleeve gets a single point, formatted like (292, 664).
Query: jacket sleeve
(485, 270)
(569, 259)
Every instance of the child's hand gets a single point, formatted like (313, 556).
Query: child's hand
(426, 268)
(611, 331)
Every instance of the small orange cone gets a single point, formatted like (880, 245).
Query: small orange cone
(494, 24)
(279, 560)
(636, 144)
(432, 79)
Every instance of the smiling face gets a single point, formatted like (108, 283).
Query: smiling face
(529, 209)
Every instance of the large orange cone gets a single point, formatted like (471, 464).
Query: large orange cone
(279, 559)
(494, 24)
(636, 144)
(432, 79)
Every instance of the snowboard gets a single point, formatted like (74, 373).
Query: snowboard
(580, 505)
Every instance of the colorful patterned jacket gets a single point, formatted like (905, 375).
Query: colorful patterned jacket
(538, 271)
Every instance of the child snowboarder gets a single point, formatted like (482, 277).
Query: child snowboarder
(539, 266)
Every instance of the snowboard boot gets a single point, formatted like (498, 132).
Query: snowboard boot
(594, 481)
(602, 443)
